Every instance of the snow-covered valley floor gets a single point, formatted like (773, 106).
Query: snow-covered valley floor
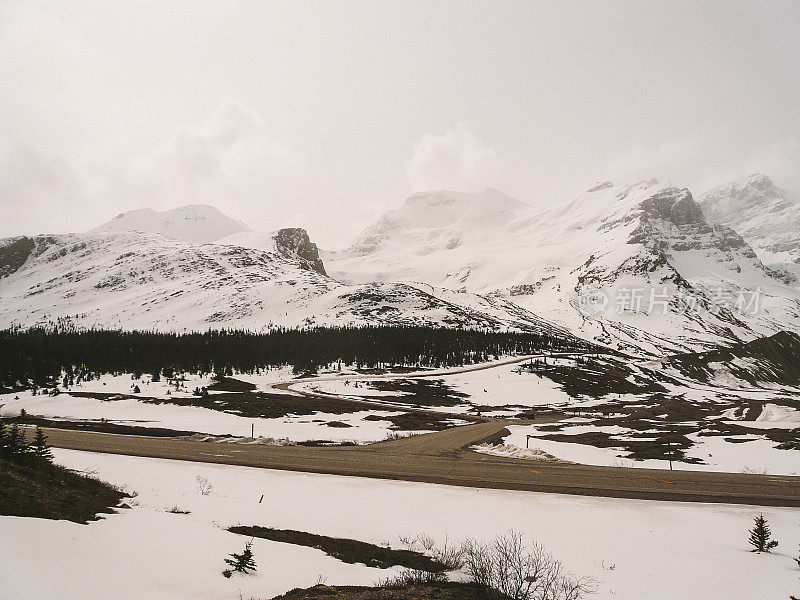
(635, 549)
(110, 398)
(360, 426)
(649, 419)
(737, 454)
(702, 426)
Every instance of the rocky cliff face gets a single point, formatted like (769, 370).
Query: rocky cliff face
(673, 205)
(767, 217)
(296, 241)
(13, 254)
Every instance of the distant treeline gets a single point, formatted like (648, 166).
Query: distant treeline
(41, 357)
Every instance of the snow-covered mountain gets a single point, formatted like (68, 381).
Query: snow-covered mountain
(637, 267)
(444, 238)
(196, 223)
(633, 266)
(293, 240)
(138, 280)
(764, 215)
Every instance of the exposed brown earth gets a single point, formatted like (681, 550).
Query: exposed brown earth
(346, 550)
(49, 491)
(440, 591)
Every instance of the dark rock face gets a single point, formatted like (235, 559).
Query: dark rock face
(756, 192)
(13, 254)
(673, 205)
(601, 186)
(769, 359)
(296, 241)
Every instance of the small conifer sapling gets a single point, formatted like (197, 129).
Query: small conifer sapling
(40, 448)
(243, 562)
(760, 536)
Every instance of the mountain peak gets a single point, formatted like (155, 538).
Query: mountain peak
(753, 193)
(755, 185)
(295, 240)
(600, 186)
(675, 205)
(195, 223)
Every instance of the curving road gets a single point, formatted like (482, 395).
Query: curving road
(442, 458)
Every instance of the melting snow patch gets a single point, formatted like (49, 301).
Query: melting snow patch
(511, 451)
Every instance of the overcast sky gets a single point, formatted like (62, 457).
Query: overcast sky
(325, 114)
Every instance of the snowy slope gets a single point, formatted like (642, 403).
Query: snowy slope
(144, 280)
(290, 239)
(435, 237)
(646, 236)
(764, 215)
(634, 549)
(197, 223)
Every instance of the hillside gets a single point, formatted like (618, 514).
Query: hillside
(48, 491)
(136, 280)
(767, 217)
(199, 223)
(769, 361)
(610, 240)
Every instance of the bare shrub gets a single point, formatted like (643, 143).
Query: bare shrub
(409, 577)
(395, 435)
(448, 554)
(204, 486)
(508, 568)
(175, 510)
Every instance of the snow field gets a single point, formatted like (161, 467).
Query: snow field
(129, 411)
(756, 455)
(635, 549)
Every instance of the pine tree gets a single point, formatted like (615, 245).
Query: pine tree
(40, 448)
(15, 443)
(3, 439)
(243, 562)
(759, 536)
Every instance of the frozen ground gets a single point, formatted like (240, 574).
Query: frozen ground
(503, 386)
(631, 405)
(636, 549)
(508, 386)
(745, 453)
(128, 411)
(725, 429)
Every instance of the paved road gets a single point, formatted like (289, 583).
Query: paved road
(442, 458)
(291, 386)
(402, 403)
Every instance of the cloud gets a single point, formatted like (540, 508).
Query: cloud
(780, 161)
(36, 188)
(456, 160)
(230, 161)
(676, 161)
(697, 164)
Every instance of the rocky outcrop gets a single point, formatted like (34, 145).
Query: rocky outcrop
(674, 205)
(295, 240)
(14, 252)
(767, 217)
